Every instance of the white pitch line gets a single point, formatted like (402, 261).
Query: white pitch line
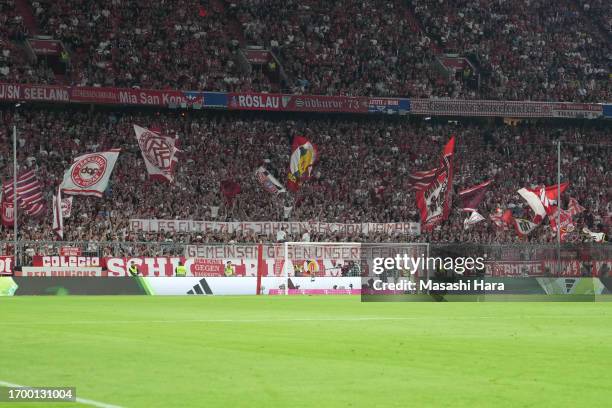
(314, 319)
(79, 400)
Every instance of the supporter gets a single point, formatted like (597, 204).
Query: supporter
(361, 175)
(350, 48)
(144, 44)
(527, 49)
(518, 50)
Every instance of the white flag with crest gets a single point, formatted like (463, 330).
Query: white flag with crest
(158, 152)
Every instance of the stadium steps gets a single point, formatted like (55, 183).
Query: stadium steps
(234, 26)
(236, 32)
(25, 11)
(416, 27)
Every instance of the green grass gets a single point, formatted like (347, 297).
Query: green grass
(309, 351)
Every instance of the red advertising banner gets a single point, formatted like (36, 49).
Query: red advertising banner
(166, 266)
(6, 265)
(70, 251)
(297, 103)
(128, 96)
(66, 261)
(45, 47)
(256, 101)
(257, 57)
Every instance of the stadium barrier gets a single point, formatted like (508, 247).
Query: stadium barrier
(190, 286)
(161, 258)
(172, 98)
(55, 267)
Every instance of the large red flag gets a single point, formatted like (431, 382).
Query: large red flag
(471, 197)
(565, 217)
(434, 199)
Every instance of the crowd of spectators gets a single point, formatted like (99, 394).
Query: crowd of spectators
(139, 43)
(528, 49)
(14, 64)
(365, 47)
(361, 174)
(521, 50)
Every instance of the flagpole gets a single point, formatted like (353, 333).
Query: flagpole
(15, 192)
(559, 206)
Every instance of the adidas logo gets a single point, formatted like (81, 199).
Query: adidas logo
(569, 285)
(201, 288)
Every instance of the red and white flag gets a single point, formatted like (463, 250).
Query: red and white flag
(565, 218)
(474, 218)
(29, 193)
(58, 217)
(470, 200)
(594, 236)
(497, 218)
(434, 199)
(158, 152)
(472, 197)
(89, 174)
(8, 214)
(268, 181)
(541, 199)
(573, 207)
(421, 179)
(66, 206)
(566, 222)
(523, 227)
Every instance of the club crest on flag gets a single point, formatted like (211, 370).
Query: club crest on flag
(156, 149)
(303, 157)
(159, 153)
(89, 173)
(89, 170)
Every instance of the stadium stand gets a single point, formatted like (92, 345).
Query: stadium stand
(15, 66)
(361, 175)
(525, 50)
(182, 45)
(502, 50)
(349, 48)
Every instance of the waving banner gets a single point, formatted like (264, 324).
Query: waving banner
(272, 227)
(58, 216)
(89, 173)
(29, 193)
(66, 206)
(472, 197)
(268, 181)
(434, 200)
(303, 156)
(158, 152)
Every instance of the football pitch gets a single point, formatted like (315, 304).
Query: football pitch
(288, 351)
